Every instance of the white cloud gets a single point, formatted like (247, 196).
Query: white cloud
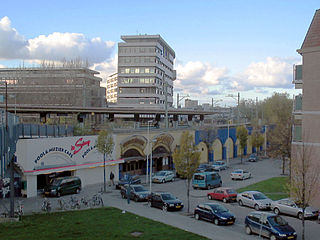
(273, 73)
(106, 68)
(70, 46)
(55, 46)
(197, 77)
(12, 44)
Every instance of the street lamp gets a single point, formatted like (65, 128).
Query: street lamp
(228, 145)
(150, 180)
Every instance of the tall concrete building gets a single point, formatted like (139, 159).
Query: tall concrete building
(306, 129)
(145, 71)
(112, 88)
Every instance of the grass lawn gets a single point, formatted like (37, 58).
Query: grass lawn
(103, 223)
(274, 188)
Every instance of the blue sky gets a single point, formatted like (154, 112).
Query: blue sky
(222, 47)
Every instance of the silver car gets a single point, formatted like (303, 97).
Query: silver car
(219, 165)
(254, 199)
(288, 206)
(163, 176)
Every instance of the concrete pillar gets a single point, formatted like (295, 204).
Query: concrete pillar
(31, 186)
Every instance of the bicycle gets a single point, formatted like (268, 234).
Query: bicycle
(85, 202)
(63, 204)
(97, 199)
(19, 210)
(46, 205)
(74, 203)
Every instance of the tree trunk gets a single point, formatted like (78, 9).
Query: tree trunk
(283, 164)
(188, 194)
(303, 223)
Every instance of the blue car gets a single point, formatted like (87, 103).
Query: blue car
(269, 225)
(215, 213)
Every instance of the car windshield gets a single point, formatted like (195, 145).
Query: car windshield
(198, 177)
(55, 182)
(219, 208)
(237, 171)
(259, 196)
(126, 177)
(277, 221)
(139, 189)
(231, 191)
(168, 196)
(160, 174)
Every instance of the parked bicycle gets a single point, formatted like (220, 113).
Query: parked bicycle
(46, 205)
(97, 199)
(63, 204)
(74, 203)
(86, 202)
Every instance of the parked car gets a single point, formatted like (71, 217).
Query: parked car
(165, 201)
(137, 192)
(206, 180)
(269, 225)
(219, 165)
(288, 206)
(240, 174)
(254, 199)
(223, 194)
(214, 212)
(128, 179)
(163, 176)
(253, 157)
(63, 185)
(204, 167)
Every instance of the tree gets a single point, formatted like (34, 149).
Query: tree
(242, 135)
(304, 178)
(257, 140)
(105, 146)
(186, 159)
(278, 113)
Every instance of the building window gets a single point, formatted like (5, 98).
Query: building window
(137, 70)
(147, 70)
(127, 70)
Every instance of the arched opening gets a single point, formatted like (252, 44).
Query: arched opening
(161, 159)
(202, 148)
(217, 150)
(134, 162)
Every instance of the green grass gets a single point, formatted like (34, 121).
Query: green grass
(103, 223)
(274, 188)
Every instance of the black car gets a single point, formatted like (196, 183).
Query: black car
(269, 225)
(137, 192)
(164, 200)
(205, 168)
(128, 179)
(215, 213)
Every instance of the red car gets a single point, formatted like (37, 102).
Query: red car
(224, 194)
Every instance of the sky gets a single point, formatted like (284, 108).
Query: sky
(222, 46)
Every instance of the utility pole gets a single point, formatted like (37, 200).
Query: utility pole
(238, 118)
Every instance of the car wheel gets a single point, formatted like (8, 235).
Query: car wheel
(276, 211)
(172, 179)
(232, 178)
(58, 194)
(163, 181)
(300, 215)
(209, 197)
(196, 216)
(248, 230)
(77, 191)
(240, 203)
(224, 200)
(165, 208)
(209, 186)
(273, 237)
(216, 221)
(220, 184)
(136, 199)
(149, 203)
(256, 207)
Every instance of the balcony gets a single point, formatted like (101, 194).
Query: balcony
(297, 76)
(297, 133)
(297, 111)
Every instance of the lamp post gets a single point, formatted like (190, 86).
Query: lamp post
(150, 175)
(228, 145)
(147, 170)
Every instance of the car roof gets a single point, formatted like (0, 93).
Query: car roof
(268, 214)
(205, 173)
(224, 188)
(252, 192)
(238, 170)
